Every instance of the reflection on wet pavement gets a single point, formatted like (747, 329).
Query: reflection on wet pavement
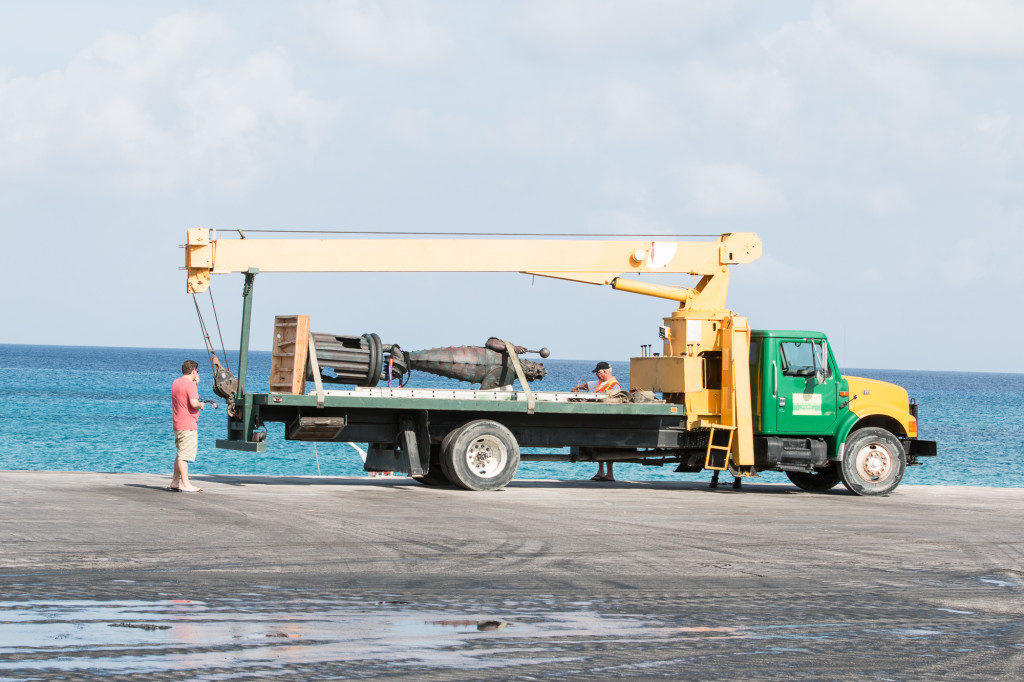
(295, 632)
(135, 636)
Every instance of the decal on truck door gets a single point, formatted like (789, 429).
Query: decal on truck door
(807, 405)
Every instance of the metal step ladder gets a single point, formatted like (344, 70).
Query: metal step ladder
(718, 453)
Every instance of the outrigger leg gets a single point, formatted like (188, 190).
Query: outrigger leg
(737, 482)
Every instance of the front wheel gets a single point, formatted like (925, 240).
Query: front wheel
(873, 462)
(816, 481)
(481, 455)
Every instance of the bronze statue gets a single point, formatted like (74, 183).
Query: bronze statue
(489, 365)
(365, 361)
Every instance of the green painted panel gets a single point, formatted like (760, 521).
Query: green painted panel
(469, 405)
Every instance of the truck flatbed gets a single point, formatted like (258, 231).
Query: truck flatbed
(467, 400)
(573, 426)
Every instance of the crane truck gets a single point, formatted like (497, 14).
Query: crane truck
(731, 399)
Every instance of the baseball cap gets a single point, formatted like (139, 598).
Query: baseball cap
(600, 366)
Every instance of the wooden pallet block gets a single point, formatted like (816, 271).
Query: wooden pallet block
(289, 353)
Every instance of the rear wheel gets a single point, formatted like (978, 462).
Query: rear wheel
(444, 457)
(481, 455)
(873, 462)
(816, 481)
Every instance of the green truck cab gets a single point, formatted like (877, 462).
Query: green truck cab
(821, 427)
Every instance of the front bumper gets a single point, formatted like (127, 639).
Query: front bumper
(918, 448)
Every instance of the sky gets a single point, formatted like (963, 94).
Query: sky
(877, 148)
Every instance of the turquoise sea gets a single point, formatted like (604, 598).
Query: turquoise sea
(70, 408)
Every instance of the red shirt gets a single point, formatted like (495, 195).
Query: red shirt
(185, 416)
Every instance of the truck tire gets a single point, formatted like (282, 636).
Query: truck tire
(873, 462)
(435, 476)
(480, 455)
(816, 481)
(439, 464)
(444, 456)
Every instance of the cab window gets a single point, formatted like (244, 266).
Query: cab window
(803, 358)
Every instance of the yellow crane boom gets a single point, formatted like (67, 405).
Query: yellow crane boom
(590, 261)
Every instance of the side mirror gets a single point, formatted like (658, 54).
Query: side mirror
(821, 361)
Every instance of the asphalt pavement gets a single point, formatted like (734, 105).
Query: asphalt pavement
(315, 578)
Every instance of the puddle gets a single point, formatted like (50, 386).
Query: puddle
(998, 582)
(125, 637)
(137, 636)
(263, 634)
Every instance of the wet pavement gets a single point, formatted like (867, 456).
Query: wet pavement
(107, 575)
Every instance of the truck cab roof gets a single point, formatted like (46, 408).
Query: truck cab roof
(786, 333)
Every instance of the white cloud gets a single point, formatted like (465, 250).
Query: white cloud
(997, 124)
(621, 186)
(998, 137)
(980, 28)
(633, 113)
(879, 134)
(550, 124)
(747, 96)
(563, 120)
(172, 39)
(157, 111)
(416, 127)
(406, 36)
(248, 115)
(729, 189)
(623, 222)
(578, 29)
(884, 202)
(820, 65)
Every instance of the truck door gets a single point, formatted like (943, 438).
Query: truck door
(804, 387)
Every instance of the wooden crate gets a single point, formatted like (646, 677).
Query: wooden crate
(289, 353)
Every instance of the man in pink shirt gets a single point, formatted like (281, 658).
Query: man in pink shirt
(185, 406)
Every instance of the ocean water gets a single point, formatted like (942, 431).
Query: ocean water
(68, 408)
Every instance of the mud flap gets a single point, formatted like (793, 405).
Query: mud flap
(409, 454)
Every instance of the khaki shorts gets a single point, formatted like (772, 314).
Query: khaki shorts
(187, 443)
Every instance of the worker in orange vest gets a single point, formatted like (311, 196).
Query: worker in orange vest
(606, 383)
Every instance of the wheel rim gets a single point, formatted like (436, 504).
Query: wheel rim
(486, 456)
(875, 463)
